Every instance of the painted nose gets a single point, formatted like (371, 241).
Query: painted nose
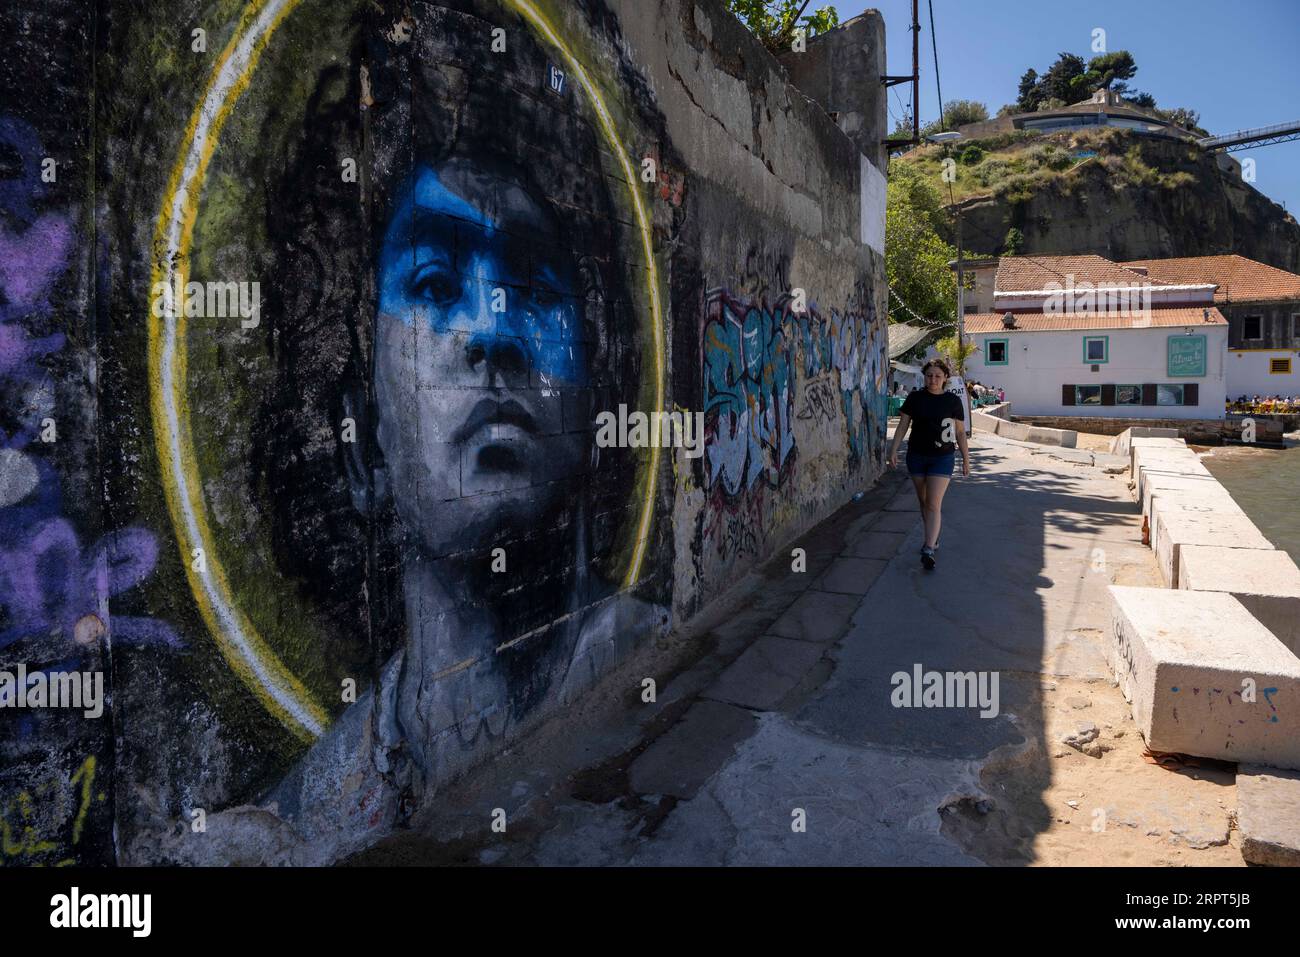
(499, 358)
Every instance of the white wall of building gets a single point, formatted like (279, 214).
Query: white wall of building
(1247, 373)
(1039, 363)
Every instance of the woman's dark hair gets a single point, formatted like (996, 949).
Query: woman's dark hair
(436, 95)
(939, 364)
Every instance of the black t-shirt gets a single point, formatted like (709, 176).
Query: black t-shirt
(928, 411)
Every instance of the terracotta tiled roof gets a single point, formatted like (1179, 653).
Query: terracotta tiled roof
(1239, 279)
(1024, 273)
(986, 322)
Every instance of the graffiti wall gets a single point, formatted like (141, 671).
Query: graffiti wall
(770, 371)
(310, 311)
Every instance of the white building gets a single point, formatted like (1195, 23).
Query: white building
(1080, 335)
(1262, 306)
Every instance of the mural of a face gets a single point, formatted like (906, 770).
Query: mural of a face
(494, 253)
(478, 337)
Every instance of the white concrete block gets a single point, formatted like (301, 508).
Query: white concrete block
(1066, 438)
(1174, 529)
(1164, 458)
(1174, 483)
(1162, 494)
(1154, 442)
(1014, 430)
(1166, 462)
(1268, 815)
(1121, 444)
(1023, 432)
(1148, 437)
(1265, 581)
(985, 422)
(1190, 663)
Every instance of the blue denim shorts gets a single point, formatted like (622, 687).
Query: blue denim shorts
(918, 464)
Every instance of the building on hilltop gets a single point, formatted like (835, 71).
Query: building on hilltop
(1103, 108)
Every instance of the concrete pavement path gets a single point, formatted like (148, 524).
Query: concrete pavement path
(783, 743)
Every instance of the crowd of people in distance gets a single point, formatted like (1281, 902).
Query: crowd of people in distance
(1265, 404)
(978, 393)
(981, 394)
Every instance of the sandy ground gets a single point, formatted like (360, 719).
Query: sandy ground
(1112, 810)
(1094, 443)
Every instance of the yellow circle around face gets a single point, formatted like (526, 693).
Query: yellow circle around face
(243, 649)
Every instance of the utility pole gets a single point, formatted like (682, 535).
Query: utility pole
(961, 297)
(916, 72)
(913, 78)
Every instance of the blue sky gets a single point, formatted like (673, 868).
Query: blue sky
(1236, 63)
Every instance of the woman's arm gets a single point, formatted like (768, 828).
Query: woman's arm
(904, 421)
(965, 448)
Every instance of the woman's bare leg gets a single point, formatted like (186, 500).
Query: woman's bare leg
(935, 487)
(918, 481)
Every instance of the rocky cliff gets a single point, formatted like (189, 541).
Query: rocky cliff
(1112, 192)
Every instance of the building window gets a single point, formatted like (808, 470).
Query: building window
(1128, 395)
(1252, 327)
(1279, 366)
(1096, 348)
(995, 352)
(1295, 325)
(1087, 395)
(1169, 395)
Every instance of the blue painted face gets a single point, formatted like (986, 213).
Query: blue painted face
(474, 254)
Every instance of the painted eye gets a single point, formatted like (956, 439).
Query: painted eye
(436, 284)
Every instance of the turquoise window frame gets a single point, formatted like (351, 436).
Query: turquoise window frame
(1006, 352)
(1105, 349)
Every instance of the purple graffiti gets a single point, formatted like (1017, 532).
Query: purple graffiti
(48, 582)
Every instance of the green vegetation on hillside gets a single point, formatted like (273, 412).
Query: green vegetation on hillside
(916, 256)
(1015, 165)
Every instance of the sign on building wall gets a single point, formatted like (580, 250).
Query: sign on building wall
(1186, 355)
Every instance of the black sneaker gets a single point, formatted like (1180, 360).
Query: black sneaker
(927, 558)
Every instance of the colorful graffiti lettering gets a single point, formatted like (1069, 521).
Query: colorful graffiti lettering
(749, 358)
(748, 391)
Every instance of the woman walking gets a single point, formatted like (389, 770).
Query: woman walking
(938, 424)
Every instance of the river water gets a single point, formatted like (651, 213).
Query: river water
(1266, 484)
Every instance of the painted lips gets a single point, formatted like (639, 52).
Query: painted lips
(510, 424)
